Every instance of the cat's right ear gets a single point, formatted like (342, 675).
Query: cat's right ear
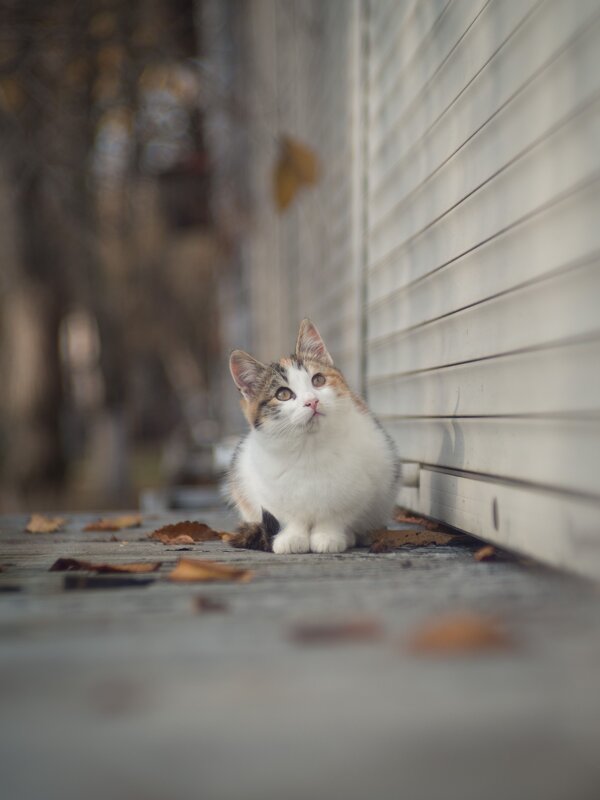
(246, 373)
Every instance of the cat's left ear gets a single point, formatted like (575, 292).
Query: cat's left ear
(310, 345)
(246, 373)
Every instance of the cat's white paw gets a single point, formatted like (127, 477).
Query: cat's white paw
(291, 541)
(328, 542)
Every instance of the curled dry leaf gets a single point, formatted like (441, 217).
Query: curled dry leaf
(297, 166)
(194, 569)
(359, 629)
(185, 533)
(459, 633)
(40, 524)
(385, 540)
(115, 523)
(69, 564)
(487, 553)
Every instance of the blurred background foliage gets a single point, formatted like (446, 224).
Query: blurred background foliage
(111, 252)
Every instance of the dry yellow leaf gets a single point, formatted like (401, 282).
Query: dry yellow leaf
(297, 166)
(115, 523)
(193, 569)
(40, 524)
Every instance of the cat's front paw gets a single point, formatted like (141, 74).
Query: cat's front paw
(328, 542)
(291, 541)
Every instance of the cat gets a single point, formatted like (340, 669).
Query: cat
(315, 462)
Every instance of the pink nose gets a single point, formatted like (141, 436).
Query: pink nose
(312, 403)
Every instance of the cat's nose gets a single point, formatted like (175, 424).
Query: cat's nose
(312, 402)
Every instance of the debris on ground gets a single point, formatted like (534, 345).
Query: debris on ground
(385, 540)
(115, 523)
(193, 569)
(70, 564)
(359, 629)
(459, 633)
(40, 524)
(186, 532)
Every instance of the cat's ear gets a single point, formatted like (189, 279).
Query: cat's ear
(246, 373)
(310, 345)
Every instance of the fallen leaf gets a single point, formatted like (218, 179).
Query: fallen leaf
(459, 633)
(40, 524)
(68, 564)
(185, 533)
(193, 569)
(115, 523)
(297, 166)
(407, 517)
(75, 582)
(360, 629)
(385, 540)
(204, 604)
(487, 553)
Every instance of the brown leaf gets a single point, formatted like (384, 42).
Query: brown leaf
(487, 553)
(193, 569)
(69, 564)
(407, 517)
(385, 540)
(40, 524)
(185, 533)
(359, 629)
(459, 633)
(297, 166)
(115, 523)
(204, 604)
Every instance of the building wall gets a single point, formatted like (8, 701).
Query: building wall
(449, 254)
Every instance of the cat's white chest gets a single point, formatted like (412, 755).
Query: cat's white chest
(330, 472)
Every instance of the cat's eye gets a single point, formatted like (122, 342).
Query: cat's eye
(284, 393)
(318, 379)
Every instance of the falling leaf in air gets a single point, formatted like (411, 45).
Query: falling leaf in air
(487, 553)
(359, 629)
(40, 524)
(185, 533)
(70, 564)
(297, 166)
(115, 523)
(459, 633)
(193, 569)
(385, 540)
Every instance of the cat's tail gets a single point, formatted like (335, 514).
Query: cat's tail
(257, 535)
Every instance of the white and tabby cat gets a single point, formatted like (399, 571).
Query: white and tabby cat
(315, 458)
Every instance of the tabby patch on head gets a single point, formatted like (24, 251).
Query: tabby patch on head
(294, 394)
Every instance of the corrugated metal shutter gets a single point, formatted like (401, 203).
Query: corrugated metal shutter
(483, 279)
(304, 62)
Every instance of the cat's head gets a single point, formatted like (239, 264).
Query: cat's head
(294, 395)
